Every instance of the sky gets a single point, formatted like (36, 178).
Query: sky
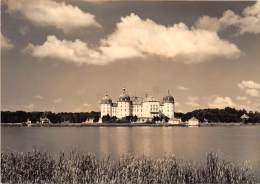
(65, 55)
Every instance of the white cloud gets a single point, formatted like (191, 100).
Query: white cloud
(248, 84)
(193, 101)
(249, 22)
(51, 13)
(241, 98)
(135, 37)
(221, 102)
(69, 51)
(183, 88)
(252, 92)
(5, 42)
(250, 87)
(58, 100)
(39, 97)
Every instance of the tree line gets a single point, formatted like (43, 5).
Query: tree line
(203, 115)
(22, 116)
(132, 119)
(227, 115)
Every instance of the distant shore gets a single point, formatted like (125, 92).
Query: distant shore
(124, 125)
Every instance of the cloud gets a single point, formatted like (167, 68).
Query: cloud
(29, 107)
(249, 22)
(250, 87)
(69, 51)
(51, 13)
(5, 42)
(39, 97)
(221, 102)
(58, 100)
(137, 38)
(182, 88)
(248, 84)
(241, 98)
(252, 92)
(193, 101)
(24, 30)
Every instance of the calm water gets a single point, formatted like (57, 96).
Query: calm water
(234, 143)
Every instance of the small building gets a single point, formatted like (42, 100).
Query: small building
(192, 122)
(244, 117)
(44, 120)
(89, 121)
(28, 122)
(205, 120)
(175, 121)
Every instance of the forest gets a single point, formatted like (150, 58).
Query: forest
(226, 115)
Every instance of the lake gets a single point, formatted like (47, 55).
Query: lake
(238, 143)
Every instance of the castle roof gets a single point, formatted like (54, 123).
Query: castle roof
(168, 98)
(124, 97)
(106, 100)
(150, 99)
(136, 100)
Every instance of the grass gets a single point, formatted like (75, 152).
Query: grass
(38, 167)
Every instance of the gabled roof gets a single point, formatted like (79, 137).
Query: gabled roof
(193, 119)
(244, 116)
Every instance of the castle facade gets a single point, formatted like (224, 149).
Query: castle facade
(144, 108)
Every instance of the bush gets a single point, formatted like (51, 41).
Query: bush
(37, 167)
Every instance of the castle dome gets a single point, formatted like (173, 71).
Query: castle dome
(106, 100)
(124, 97)
(168, 98)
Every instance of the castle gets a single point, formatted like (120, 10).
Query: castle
(144, 108)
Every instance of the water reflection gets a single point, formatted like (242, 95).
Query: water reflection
(236, 143)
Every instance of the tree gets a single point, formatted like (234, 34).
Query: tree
(96, 119)
(113, 119)
(166, 118)
(135, 118)
(106, 118)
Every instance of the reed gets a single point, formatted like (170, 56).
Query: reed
(74, 167)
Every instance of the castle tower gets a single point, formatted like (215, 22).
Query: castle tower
(168, 105)
(106, 106)
(123, 105)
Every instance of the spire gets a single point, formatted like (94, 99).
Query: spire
(124, 91)
(168, 92)
(106, 94)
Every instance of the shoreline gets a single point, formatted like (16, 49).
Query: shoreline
(125, 125)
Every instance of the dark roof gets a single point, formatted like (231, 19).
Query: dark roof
(168, 99)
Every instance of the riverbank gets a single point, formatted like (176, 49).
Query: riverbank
(124, 125)
(73, 167)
